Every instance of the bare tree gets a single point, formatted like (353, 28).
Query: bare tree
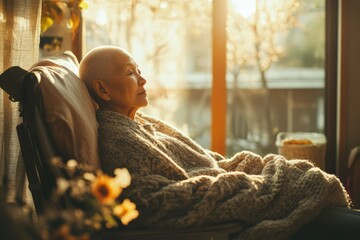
(254, 42)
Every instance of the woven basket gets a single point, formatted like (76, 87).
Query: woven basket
(314, 153)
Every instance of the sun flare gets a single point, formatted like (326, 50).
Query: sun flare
(245, 7)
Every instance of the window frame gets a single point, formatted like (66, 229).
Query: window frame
(331, 87)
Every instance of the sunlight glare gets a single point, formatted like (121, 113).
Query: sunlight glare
(245, 7)
(2, 18)
(101, 18)
(163, 4)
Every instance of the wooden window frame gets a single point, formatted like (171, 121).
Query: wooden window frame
(331, 86)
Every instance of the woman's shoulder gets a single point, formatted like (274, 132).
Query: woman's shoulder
(145, 118)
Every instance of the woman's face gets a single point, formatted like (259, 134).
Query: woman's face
(126, 85)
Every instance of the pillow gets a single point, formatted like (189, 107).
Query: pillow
(69, 111)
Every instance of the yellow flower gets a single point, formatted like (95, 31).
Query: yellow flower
(46, 22)
(126, 211)
(105, 189)
(83, 4)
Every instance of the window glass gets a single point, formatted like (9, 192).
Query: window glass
(275, 63)
(171, 41)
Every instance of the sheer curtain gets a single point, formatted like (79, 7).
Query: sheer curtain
(19, 46)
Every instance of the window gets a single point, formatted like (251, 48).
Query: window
(171, 41)
(275, 63)
(276, 78)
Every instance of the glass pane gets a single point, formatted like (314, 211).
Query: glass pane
(275, 62)
(275, 65)
(171, 41)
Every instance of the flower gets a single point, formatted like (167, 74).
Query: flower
(92, 201)
(105, 189)
(83, 205)
(62, 185)
(122, 177)
(71, 164)
(126, 211)
(53, 11)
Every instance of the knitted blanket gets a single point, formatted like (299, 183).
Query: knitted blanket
(176, 183)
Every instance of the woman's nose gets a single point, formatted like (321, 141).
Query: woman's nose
(142, 81)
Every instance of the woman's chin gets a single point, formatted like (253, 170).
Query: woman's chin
(144, 103)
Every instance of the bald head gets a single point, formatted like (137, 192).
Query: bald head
(99, 64)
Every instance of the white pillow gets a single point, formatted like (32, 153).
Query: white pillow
(69, 109)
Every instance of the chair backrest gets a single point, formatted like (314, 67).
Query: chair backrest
(58, 120)
(35, 143)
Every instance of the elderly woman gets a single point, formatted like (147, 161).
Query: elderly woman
(176, 183)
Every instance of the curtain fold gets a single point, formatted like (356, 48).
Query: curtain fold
(19, 46)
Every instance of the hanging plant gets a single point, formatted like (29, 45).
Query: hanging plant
(53, 12)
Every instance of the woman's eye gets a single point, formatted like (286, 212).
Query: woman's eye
(139, 71)
(130, 72)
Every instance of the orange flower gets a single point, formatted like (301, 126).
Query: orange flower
(126, 211)
(105, 189)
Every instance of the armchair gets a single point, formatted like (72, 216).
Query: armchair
(54, 105)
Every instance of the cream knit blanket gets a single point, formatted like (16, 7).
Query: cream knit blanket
(176, 183)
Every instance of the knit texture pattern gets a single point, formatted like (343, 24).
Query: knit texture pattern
(177, 184)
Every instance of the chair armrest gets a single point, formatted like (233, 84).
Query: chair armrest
(354, 176)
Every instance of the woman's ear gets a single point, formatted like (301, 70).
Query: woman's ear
(100, 90)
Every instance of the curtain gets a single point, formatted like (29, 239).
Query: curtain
(19, 46)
